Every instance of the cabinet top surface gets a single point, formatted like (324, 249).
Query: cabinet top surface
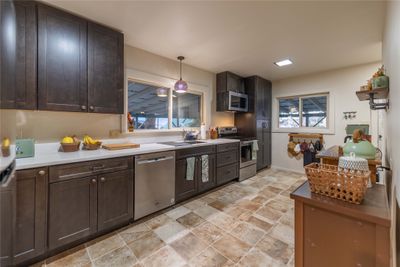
(48, 155)
(374, 208)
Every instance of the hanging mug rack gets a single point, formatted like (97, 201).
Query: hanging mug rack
(295, 139)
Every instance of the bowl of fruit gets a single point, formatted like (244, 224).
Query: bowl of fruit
(70, 144)
(90, 144)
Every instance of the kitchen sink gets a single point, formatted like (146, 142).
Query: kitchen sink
(182, 143)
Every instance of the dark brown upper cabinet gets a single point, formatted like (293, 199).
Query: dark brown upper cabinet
(105, 69)
(18, 55)
(228, 81)
(31, 214)
(62, 60)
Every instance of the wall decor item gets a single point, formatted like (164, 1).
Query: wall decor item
(347, 115)
(378, 88)
(379, 79)
(181, 86)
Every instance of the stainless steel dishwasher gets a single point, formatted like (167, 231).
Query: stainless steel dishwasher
(154, 182)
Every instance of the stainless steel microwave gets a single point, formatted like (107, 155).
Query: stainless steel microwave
(238, 102)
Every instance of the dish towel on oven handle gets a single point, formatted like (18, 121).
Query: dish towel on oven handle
(255, 149)
(204, 168)
(190, 165)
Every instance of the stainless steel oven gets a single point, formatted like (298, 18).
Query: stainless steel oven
(248, 151)
(238, 102)
(248, 159)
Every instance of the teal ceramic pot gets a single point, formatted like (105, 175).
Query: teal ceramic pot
(380, 82)
(362, 149)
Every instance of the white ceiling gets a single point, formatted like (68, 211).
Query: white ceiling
(248, 37)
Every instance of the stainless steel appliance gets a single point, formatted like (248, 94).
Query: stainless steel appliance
(238, 102)
(248, 151)
(154, 182)
(7, 213)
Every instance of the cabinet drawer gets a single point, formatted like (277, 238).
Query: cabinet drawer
(227, 173)
(227, 147)
(88, 168)
(227, 158)
(194, 151)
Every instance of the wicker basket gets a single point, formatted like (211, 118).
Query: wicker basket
(70, 147)
(345, 185)
(91, 146)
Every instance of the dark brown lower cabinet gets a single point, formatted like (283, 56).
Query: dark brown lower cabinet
(211, 182)
(81, 207)
(115, 197)
(31, 227)
(185, 188)
(72, 210)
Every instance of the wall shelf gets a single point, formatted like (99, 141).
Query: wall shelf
(379, 93)
(374, 94)
(306, 136)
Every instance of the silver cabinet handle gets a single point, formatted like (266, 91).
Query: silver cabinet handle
(91, 108)
(98, 167)
(42, 172)
(83, 107)
(94, 181)
(154, 160)
(102, 179)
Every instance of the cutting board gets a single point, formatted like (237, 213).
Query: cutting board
(120, 146)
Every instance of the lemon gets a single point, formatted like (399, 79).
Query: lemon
(67, 140)
(6, 142)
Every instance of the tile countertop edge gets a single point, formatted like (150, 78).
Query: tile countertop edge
(59, 158)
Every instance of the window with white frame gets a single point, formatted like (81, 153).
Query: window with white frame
(309, 111)
(156, 107)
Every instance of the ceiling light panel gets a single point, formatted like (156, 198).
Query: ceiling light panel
(283, 63)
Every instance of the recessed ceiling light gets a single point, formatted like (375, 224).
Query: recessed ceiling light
(284, 62)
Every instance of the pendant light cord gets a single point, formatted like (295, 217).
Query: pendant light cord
(180, 69)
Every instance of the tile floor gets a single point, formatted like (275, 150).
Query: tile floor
(242, 224)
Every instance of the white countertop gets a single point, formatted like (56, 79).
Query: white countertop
(48, 154)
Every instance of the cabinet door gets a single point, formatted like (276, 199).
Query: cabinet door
(7, 222)
(115, 196)
(184, 188)
(266, 148)
(72, 210)
(212, 181)
(261, 113)
(18, 55)
(235, 83)
(31, 212)
(62, 60)
(105, 70)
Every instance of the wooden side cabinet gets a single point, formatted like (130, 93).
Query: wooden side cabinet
(31, 214)
(331, 233)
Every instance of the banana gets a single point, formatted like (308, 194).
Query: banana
(89, 140)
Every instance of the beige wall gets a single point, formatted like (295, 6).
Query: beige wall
(341, 85)
(47, 126)
(391, 60)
